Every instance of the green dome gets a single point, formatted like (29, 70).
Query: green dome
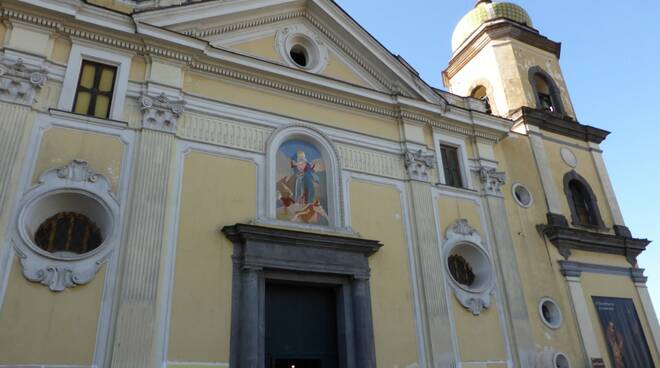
(483, 12)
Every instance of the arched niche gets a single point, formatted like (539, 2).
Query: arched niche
(303, 184)
(536, 73)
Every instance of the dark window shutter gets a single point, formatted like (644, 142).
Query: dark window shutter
(451, 166)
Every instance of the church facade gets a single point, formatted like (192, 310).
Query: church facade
(261, 184)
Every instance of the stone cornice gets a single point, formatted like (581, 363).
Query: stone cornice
(348, 96)
(493, 31)
(241, 233)
(566, 239)
(560, 125)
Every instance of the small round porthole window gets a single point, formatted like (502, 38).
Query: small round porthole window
(302, 48)
(469, 267)
(561, 361)
(299, 55)
(522, 196)
(550, 313)
(67, 224)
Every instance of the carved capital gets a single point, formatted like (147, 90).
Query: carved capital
(419, 163)
(160, 113)
(492, 180)
(19, 83)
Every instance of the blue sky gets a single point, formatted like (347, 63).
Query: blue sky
(611, 62)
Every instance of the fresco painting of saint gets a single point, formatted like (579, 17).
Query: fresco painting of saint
(301, 184)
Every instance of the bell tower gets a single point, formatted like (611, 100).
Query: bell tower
(498, 56)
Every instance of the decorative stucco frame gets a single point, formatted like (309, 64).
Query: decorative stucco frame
(479, 297)
(304, 132)
(314, 45)
(58, 271)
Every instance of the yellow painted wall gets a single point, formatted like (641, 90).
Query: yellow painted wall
(61, 50)
(3, 33)
(480, 338)
(537, 259)
(376, 213)
(41, 326)
(528, 57)
(619, 287)
(262, 47)
(138, 71)
(293, 106)
(337, 69)
(503, 66)
(586, 168)
(61, 145)
(215, 192)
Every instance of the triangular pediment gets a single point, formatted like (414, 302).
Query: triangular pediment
(335, 46)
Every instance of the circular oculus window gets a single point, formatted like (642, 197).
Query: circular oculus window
(469, 267)
(301, 48)
(522, 195)
(550, 313)
(560, 360)
(66, 224)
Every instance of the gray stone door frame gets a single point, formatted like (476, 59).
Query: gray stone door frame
(266, 253)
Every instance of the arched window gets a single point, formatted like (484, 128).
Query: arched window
(547, 93)
(481, 93)
(581, 200)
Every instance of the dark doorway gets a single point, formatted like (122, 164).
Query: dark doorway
(301, 326)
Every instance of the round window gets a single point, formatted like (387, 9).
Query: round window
(302, 48)
(299, 55)
(550, 313)
(469, 267)
(68, 232)
(561, 361)
(521, 195)
(69, 224)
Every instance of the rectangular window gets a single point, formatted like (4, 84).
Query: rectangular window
(451, 166)
(95, 88)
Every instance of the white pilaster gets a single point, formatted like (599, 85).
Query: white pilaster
(651, 317)
(605, 182)
(545, 173)
(584, 320)
(136, 329)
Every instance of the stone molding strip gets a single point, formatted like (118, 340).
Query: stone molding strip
(566, 239)
(559, 125)
(141, 48)
(575, 269)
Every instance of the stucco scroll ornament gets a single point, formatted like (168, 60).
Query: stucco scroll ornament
(463, 240)
(492, 180)
(419, 163)
(74, 187)
(160, 113)
(19, 83)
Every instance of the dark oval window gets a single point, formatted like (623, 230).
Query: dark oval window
(299, 55)
(461, 270)
(68, 232)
